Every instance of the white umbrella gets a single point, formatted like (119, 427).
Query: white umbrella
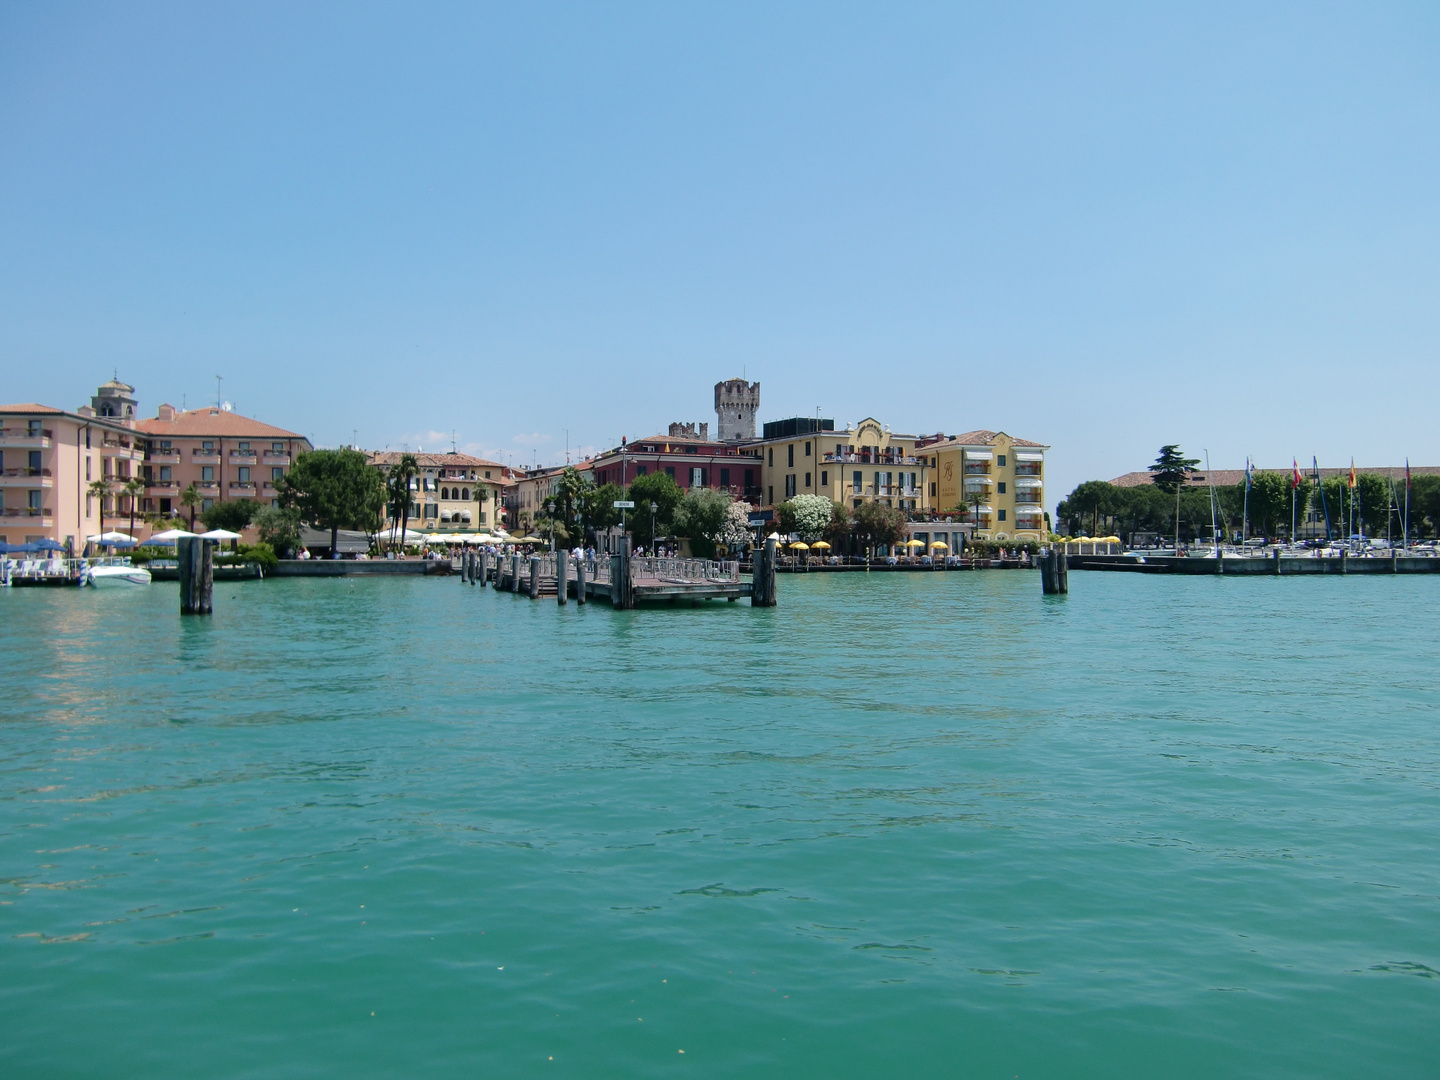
(169, 536)
(111, 538)
(220, 534)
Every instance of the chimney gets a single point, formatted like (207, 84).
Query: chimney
(166, 413)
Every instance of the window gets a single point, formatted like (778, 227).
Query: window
(724, 478)
(34, 462)
(857, 481)
(1000, 460)
(87, 447)
(640, 470)
(34, 501)
(206, 504)
(932, 489)
(245, 448)
(807, 454)
(770, 498)
(164, 473)
(276, 472)
(89, 506)
(445, 493)
(697, 478)
(789, 485)
(277, 447)
(1000, 488)
(670, 471)
(772, 457)
(487, 474)
(208, 446)
(465, 494)
(749, 478)
(275, 503)
(164, 444)
(164, 506)
(791, 462)
(1001, 514)
(87, 471)
(824, 478)
(207, 474)
(32, 427)
(807, 479)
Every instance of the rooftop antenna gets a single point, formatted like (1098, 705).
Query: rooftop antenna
(452, 440)
(354, 438)
(218, 396)
(567, 446)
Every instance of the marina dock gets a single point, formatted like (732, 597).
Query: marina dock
(622, 580)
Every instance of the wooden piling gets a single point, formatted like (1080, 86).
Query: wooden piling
(622, 595)
(1054, 573)
(762, 587)
(562, 574)
(534, 576)
(1277, 562)
(580, 580)
(195, 556)
(1344, 558)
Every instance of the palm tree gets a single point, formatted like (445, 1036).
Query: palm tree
(100, 490)
(190, 498)
(133, 487)
(397, 483)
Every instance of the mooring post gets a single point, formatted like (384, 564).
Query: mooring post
(197, 575)
(762, 589)
(1062, 570)
(1344, 557)
(515, 573)
(1394, 561)
(1277, 562)
(562, 575)
(1047, 574)
(534, 576)
(580, 580)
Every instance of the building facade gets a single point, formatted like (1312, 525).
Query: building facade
(49, 459)
(997, 479)
(689, 456)
(453, 493)
(866, 462)
(223, 454)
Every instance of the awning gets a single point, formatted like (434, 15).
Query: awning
(1028, 455)
(1029, 482)
(978, 455)
(977, 481)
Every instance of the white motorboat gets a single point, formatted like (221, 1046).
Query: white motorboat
(111, 576)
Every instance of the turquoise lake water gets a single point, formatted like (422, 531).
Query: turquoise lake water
(901, 825)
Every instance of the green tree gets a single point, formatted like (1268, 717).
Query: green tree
(398, 479)
(600, 512)
(1169, 473)
(875, 525)
(335, 489)
(279, 527)
(838, 532)
(701, 516)
(133, 489)
(661, 489)
(232, 514)
(1425, 506)
(99, 490)
(1095, 499)
(190, 499)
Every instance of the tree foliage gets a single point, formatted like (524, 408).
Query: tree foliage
(701, 516)
(661, 489)
(1171, 468)
(875, 525)
(808, 515)
(334, 489)
(232, 514)
(279, 527)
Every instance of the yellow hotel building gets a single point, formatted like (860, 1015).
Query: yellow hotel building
(864, 463)
(1000, 479)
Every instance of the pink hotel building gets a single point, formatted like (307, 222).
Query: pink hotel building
(50, 457)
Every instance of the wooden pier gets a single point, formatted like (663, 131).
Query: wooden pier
(623, 580)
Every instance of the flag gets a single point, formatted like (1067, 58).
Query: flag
(1296, 477)
(1249, 469)
(1407, 474)
(1315, 464)
(1352, 474)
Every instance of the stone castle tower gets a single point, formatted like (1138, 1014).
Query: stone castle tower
(736, 403)
(116, 400)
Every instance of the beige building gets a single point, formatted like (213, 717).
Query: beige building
(453, 492)
(864, 463)
(998, 479)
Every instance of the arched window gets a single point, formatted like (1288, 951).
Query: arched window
(444, 493)
(465, 494)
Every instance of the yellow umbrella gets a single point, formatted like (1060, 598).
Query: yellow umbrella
(799, 545)
(912, 542)
(820, 545)
(940, 544)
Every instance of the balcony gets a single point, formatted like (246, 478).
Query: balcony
(15, 439)
(205, 457)
(26, 478)
(242, 457)
(164, 457)
(272, 458)
(27, 511)
(868, 459)
(161, 487)
(208, 489)
(1028, 470)
(241, 490)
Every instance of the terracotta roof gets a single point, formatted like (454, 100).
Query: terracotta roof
(392, 457)
(212, 421)
(981, 438)
(1230, 477)
(30, 407)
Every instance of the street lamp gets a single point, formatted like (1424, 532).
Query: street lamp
(653, 508)
(550, 512)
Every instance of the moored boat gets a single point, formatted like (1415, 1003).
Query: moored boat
(114, 576)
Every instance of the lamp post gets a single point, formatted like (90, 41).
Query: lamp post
(653, 508)
(550, 513)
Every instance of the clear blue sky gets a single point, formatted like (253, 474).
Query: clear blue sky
(1101, 226)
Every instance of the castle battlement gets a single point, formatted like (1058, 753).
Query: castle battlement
(736, 403)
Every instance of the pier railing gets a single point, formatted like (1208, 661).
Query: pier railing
(686, 570)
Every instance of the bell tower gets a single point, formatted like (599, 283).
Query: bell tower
(115, 400)
(736, 403)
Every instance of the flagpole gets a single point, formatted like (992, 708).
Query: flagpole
(1245, 519)
(1407, 506)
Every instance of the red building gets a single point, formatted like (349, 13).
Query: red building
(689, 456)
